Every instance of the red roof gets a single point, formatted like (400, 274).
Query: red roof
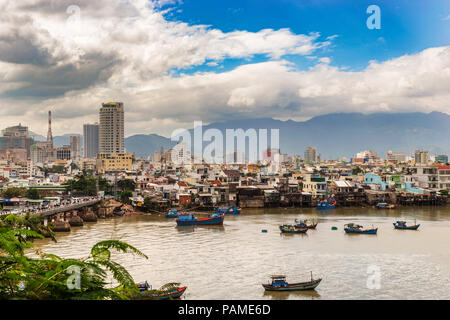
(444, 168)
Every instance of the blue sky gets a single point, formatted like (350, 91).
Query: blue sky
(407, 26)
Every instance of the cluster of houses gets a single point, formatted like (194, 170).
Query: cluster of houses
(294, 183)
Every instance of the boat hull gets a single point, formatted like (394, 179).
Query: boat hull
(407, 227)
(303, 230)
(370, 231)
(210, 221)
(167, 296)
(294, 286)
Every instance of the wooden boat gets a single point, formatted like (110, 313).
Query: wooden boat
(173, 213)
(279, 284)
(229, 210)
(287, 228)
(191, 220)
(146, 292)
(401, 225)
(384, 205)
(326, 205)
(356, 228)
(304, 224)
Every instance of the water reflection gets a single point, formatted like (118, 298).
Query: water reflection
(285, 295)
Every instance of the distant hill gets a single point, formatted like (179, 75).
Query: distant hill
(334, 135)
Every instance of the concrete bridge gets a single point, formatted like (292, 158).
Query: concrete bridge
(72, 207)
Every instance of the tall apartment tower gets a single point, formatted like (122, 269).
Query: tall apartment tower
(421, 157)
(111, 129)
(311, 154)
(90, 140)
(75, 143)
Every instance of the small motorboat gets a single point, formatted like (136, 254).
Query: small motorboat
(326, 205)
(191, 220)
(287, 228)
(384, 205)
(173, 213)
(401, 225)
(279, 284)
(146, 292)
(356, 228)
(229, 210)
(304, 224)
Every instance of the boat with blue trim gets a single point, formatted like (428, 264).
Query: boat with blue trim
(326, 204)
(230, 210)
(146, 292)
(304, 224)
(401, 225)
(279, 283)
(192, 220)
(287, 228)
(173, 213)
(384, 205)
(356, 228)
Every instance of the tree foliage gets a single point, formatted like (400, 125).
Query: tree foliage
(49, 277)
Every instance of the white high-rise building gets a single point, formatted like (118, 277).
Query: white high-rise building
(111, 129)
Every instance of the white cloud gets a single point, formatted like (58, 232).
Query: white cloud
(126, 52)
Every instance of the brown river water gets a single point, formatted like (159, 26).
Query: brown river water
(233, 260)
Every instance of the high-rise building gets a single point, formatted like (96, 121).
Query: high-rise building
(111, 129)
(75, 147)
(90, 140)
(421, 157)
(16, 141)
(311, 154)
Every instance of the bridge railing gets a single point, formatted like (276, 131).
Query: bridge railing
(76, 206)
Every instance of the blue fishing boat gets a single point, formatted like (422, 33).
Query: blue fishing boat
(401, 225)
(304, 224)
(356, 228)
(173, 213)
(384, 205)
(279, 283)
(229, 210)
(287, 228)
(326, 204)
(191, 220)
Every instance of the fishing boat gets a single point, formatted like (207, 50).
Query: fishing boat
(146, 292)
(229, 210)
(401, 225)
(279, 284)
(356, 228)
(326, 204)
(304, 224)
(191, 220)
(287, 228)
(173, 213)
(384, 205)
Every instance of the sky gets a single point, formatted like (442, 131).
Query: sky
(175, 62)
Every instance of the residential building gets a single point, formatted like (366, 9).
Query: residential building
(114, 162)
(75, 147)
(442, 158)
(311, 154)
(111, 128)
(421, 157)
(90, 140)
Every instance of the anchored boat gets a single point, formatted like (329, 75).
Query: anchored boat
(304, 224)
(229, 210)
(146, 292)
(279, 284)
(401, 225)
(191, 220)
(356, 228)
(326, 204)
(287, 228)
(173, 213)
(384, 205)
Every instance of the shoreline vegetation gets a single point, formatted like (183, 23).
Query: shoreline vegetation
(50, 277)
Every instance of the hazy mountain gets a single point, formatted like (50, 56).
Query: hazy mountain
(145, 145)
(334, 135)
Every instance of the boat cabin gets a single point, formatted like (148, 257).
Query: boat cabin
(279, 281)
(353, 226)
(186, 217)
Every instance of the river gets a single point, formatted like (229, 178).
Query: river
(233, 260)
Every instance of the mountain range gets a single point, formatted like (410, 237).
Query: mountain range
(334, 135)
